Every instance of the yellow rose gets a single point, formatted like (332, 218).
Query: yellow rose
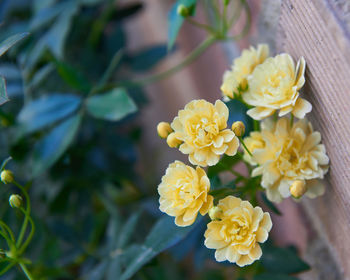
(254, 141)
(237, 231)
(274, 85)
(184, 192)
(290, 154)
(235, 80)
(201, 128)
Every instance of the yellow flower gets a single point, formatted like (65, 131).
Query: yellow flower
(184, 192)
(237, 232)
(254, 141)
(201, 128)
(235, 80)
(274, 85)
(289, 154)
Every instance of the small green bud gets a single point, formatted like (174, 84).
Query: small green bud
(183, 11)
(215, 213)
(7, 176)
(15, 200)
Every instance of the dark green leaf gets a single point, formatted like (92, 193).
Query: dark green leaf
(46, 111)
(9, 42)
(98, 271)
(270, 276)
(175, 20)
(163, 235)
(127, 10)
(72, 76)
(237, 112)
(40, 76)
(52, 146)
(111, 106)
(114, 268)
(225, 163)
(3, 93)
(127, 230)
(147, 58)
(269, 204)
(282, 260)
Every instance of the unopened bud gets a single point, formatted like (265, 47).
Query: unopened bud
(7, 176)
(182, 10)
(214, 213)
(15, 200)
(298, 188)
(238, 128)
(172, 141)
(164, 129)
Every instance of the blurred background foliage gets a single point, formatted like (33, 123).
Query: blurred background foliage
(73, 135)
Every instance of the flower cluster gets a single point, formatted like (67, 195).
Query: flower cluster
(286, 157)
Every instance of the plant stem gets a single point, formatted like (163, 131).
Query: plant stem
(26, 243)
(200, 25)
(245, 147)
(26, 213)
(247, 25)
(26, 271)
(157, 77)
(291, 120)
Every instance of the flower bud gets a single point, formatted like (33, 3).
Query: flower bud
(164, 129)
(214, 213)
(7, 176)
(238, 128)
(15, 200)
(298, 188)
(183, 11)
(172, 141)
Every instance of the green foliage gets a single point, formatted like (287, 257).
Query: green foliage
(175, 20)
(111, 106)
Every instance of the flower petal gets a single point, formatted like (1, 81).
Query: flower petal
(301, 108)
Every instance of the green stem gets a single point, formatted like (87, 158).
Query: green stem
(157, 77)
(26, 243)
(235, 17)
(291, 120)
(5, 228)
(224, 22)
(26, 271)
(245, 147)
(237, 174)
(6, 268)
(247, 25)
(200, 25)
(256, 125)
(26, 213)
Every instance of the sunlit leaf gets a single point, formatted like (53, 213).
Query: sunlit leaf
(52, 146)
(111, 106)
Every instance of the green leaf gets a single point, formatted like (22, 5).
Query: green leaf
(282, 260)
(225, 163)
(175, 20)
(98, 272)
(52, 146)
(127, 230)
(270, 205)
(111, 106)
(72, 76)
(114, 268)
(270, 276)
(45, 111)
(238, 112)
(147, 58)
(163, 235)
(9, 42)
(3, 93)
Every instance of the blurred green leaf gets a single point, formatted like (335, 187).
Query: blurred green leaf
(127, 10)
(270, 205)
(147, 58)
(127, 230)
(163, 235)
(40, 76)
(45, 111)
(271, 276)
(9, 42)
(175, 20)
(111, 106)
(72, 76)
(3, 93)
(237, 112)
(98, 271)
(282, 260)
(51, 147)
(225, 163)
(114, 269)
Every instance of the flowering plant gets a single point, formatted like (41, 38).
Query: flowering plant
(284, 157)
